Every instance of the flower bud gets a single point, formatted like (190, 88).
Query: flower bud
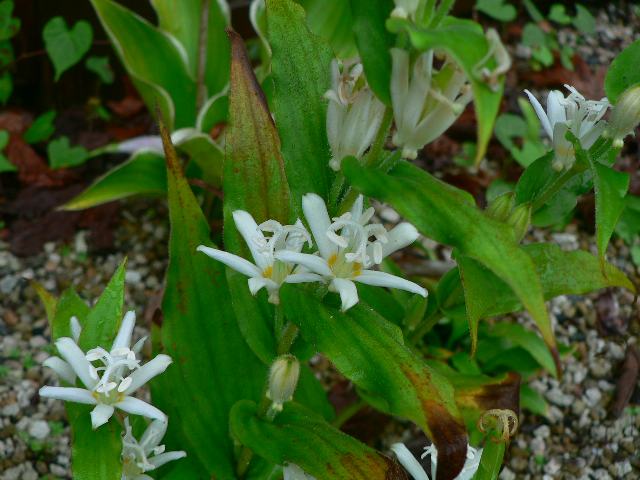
(283, 378)
(520, 219)
(625, 115)
(500, 208)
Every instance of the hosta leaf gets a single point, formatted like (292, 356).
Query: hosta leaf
(466, 43)
(143, 174)
(369, 351)
(303, 438)
(213, 366)
(301, 76)
(374, 42)
(623, 72)
(184, 24)
(158, 76)
(443, 213)
(65, 46)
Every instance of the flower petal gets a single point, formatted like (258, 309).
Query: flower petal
(147, 371)
(348, 292)
(556, 111)
(312, 262)
(303, 278)
(75, 357)
(252, 235)
(315, 211)
(153, 435)
(68, 394)
(123, 339)
(409, 462)
(239, 264)
(62, 369)
(544, 120)
(383, 279)
(101, 415)
(76, 328)
(138, 407)
(399, 237)
(159, 460)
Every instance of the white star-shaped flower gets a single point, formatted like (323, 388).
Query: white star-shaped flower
(111, 384)
(414, 468)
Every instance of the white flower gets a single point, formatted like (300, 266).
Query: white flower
(354, 114)
(346, 251)
(625, 116)
(573, 113)
(425, 102)
(294, 472)
(412, 465)
(147, 454)
(405, 8)
(268, 271)
(111, 384)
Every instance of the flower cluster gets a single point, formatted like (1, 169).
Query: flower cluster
(348, 246)
(575, 114)
(110, 378)
(412, 465)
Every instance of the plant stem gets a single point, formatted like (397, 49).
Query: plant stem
(201, 87)
(373, 157)
(556, 186)
(288, 337)
(278, 321)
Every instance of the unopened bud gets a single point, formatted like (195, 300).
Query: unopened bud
(520, 219)
(500, 208)
(283, 378)
(625, 116)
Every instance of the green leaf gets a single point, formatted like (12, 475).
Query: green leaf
(369, 350)
(48, 300)
(374, 42)
(532, 401)
(527, 340)
(163, 78)
(332, 21)
(491, 460)
(445, 214)
(5, 164)
(6, 87)
(66, 47)
(68, 305)
(303, 438)
(584, 21)
(184, 24)
(213, 366)
(533, 36)
(9, 26)
(41, 128)
(558, 14)
(623, 72)
(142, 174)
(100, 66)
(300, 69)
(63, 155)
(213, 112)
(466, 43)
(498, 9)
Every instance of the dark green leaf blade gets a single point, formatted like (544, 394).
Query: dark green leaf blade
(623, 72)
(302, 437)
(301, 76)
(368, 349)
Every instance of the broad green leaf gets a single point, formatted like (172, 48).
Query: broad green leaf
(213, 366)
(623, 72)
(5, 164)
(536, 180)
(68, 305)
(370, 351)
(143, 174)
(533, 401)
(6, 87)
(65, 46)
(444, 214)
(374, 42)
(213, 113)
(491, 460)
(527, 340)
(41, 128)
(48, 300)
(498, 9)
(332, 21)
(9, 25)
(466, 43)
(628, 227)
(558, 14)
(303, 438)
(100, 66)
(162, 78)
(301, 76)
(63, 155)
(184, 24)
(584, 21)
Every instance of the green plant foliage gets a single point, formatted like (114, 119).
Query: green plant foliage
(331, 20)
(300, 70)
(498, 9)
(200, 331)
(466, 43)
(370, 351)
(583, 20)
(9, 25)
(374, 42)
(5, 164)
(334, 456)
(65, 46)
(558, 14)
(623, 73)
(62, 155)
(41, 128)
(491, 460)
(100, 66)
(448, 216)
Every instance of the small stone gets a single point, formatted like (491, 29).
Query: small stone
(542, 431)
(8, 283)
(593, 396)
(133, 277)
(39, 429)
